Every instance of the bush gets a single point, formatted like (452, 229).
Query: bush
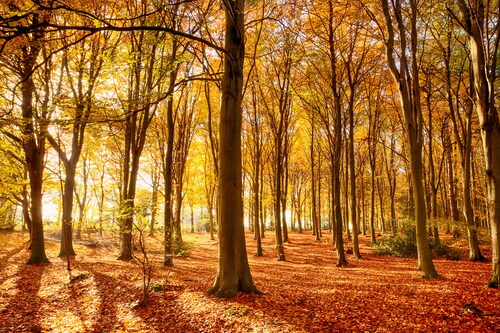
(399, 245)
(404, 245)
(441, 250)
(181, 248)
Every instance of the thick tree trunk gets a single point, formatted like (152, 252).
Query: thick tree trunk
(380, 192)
(233, 273)
(283, 209)
(34, 151)
(26, 210)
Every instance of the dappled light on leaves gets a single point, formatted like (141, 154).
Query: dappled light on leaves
(307, 293)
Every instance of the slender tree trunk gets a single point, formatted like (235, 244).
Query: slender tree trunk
(313, 182)
(168, 172)
(380, 191)
(352, 174)
(256, 212)
(391, 179)
(277, 203)
(463, 136)
(474, 13)
(256, 182)
(409, 94)
(363, 206)
(284, 195)
(318, 202)
(154, 202)
(372, 203)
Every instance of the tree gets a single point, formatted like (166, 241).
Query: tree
(34, 116)
(279, 113)
(484, 39)
(462, 130)
(374, 124)
(233, 272)
(185, 123)
(81, 77)
(139, 113)
(404, 66)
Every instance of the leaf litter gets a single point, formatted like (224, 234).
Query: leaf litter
(307, 293)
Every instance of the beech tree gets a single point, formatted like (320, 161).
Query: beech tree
(479, 20)
(233, 272)
(82, 71)
(22, 61)
(402, 48)
(462, 131)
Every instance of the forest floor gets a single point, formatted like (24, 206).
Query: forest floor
(307, 293)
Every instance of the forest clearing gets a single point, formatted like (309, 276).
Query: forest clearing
(306, 293)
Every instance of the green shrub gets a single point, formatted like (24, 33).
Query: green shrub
(441, 250)
(181, 248)
(404, 245)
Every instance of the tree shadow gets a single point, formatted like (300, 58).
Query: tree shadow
(111, 292)
(22, 314)
(4, 261)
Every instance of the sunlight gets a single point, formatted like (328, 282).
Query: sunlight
(50, 209)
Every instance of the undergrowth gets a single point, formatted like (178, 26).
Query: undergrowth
(404, 244)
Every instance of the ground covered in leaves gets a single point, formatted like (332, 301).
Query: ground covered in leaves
(307, 293)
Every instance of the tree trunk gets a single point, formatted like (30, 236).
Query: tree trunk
(474, 13)
(352, 173)
(463, 137)
(233, 273)
(380, 191)
(256, 186)
(34, 151)
(167, 168)
(154, 202)
(373, 239)
(313, 184)
(409, 94)
(278, 194)
(363, 206)
(67, 216)
(284, 196)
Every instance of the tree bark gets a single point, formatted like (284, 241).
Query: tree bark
(474, 23)
(233, 273)
(463, 137)
(33, 144)
(167, 166)
(409, 94)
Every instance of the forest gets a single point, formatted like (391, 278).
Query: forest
(261, 165)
